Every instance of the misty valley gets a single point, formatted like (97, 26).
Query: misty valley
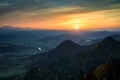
(28, 54)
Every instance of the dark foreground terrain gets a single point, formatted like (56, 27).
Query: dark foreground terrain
(70, 61)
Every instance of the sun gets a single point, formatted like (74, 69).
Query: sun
(76, 27)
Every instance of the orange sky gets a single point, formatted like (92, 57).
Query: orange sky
(64, 18)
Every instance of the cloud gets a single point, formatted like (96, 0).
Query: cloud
(44, 5)
(4, 4)
(23, 11)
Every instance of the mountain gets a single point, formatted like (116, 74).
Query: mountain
(116, 37)
(8, 28)
(108, 47)
(67, 60)
(11, 28)
(18, 45)
(49, 39)
(65, 48)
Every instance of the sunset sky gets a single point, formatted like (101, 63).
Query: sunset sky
(60, 14)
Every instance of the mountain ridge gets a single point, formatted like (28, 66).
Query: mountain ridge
(68, 59)
(79, 50)
(71, 62)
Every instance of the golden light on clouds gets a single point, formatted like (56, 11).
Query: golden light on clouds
(58, 19)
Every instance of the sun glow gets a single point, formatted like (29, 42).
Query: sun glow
(85, 21)
(76, 26)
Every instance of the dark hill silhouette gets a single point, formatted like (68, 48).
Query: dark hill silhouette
(101, 52)
(68, 44)
(108, 40)
(108, 47)
(66, 47)
(67, 60)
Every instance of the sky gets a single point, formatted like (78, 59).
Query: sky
(61, 14)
